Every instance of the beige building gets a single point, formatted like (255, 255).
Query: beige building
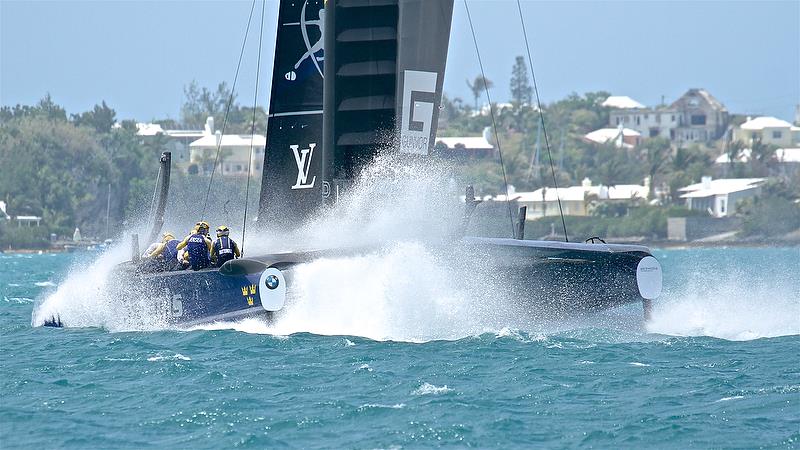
(701, 117)
(768, 130)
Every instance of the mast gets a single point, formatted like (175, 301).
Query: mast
(384, 72)
(291, 183)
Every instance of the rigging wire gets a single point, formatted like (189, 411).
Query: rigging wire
(541, 116)
(228, 110)
(494, 124)
(253, 126)
(153, 201)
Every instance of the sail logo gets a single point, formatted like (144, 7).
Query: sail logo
(302, 156)
(312, 50)
(419, 96)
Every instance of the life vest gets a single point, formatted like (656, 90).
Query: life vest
(223, 247)
(198, 251)
(170, 251)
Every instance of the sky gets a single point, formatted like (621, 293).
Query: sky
(138, 55)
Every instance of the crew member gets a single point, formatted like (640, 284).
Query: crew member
(224, 248)
(198, 247)
(165, 253)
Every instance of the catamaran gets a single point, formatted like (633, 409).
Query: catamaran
(352, 79)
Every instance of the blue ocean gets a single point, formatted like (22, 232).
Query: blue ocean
(384, 362)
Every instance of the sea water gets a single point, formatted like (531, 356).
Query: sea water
(371, 357)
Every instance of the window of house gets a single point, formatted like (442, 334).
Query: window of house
(673, 117)
(653, 132)
(698, 119)
(776, 134)
(238, 167)
(638, 120)
(645, 116)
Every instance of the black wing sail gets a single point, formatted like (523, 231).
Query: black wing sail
(291, 184)
(385, 62)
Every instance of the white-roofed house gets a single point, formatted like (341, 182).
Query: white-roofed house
(575, 200)
(469, 147)
(234, 154)
(786, 159)
(719, 196)
(177, 141)
(621, 137)
(768, 130)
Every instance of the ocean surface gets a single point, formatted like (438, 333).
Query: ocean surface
(391, 364)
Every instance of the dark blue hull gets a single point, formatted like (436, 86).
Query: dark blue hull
(542, 277)
(192, 297)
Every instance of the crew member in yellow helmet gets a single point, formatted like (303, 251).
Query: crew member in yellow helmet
(198, 247)
(164, 254)
(224, 248)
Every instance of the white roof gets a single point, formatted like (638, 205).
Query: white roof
(622, 102)
(788, 155)
(720, 187)
(759, 123)
(744, 156)
(784, 155)
(29, 218)
(148, 129)
(185, 133)
(579, 193)
(477, 142)
(604, 135)
(229, 140)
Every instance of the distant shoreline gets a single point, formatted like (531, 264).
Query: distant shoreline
(666, 245)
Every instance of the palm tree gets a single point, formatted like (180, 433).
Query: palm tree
(478, 86)
(656, 153)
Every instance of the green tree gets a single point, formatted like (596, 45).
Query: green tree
(101, 118)
(521, 90)
(201, 103)
(53, 169)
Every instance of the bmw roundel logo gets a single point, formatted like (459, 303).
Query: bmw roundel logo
(272, 282)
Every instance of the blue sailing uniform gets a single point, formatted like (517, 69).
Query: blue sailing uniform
(198, 247)
(171, 251)
(224, 250)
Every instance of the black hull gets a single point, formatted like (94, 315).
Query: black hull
(546, 277)
(543, 278)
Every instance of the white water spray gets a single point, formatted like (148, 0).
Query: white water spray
(734, 305)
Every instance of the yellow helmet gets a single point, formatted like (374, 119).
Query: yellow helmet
(202, 227)
(168, 236)
(222, 230)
